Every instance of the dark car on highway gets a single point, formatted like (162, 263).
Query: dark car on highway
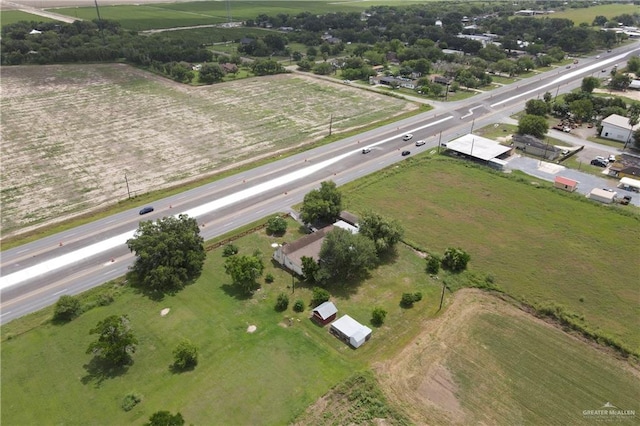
(405, 153)
(146, 210)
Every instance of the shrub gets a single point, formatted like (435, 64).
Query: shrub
(230, 250)
(105, 299)
(276, 226)
(433, 264)
(298, 306)
(185, 355)
(67, 308)
(130, 400)
(269, 278)
(165, 418)
(320, 296)
(455, 259)
(408, 299)
(282, 303)
(377, 316)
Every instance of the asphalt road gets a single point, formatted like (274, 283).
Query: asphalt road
(35, 275)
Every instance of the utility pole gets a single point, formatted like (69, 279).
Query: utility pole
(127, 182)
(439, 139)
(472, 123)
(100, 23)
(330, 123)
(442, 296)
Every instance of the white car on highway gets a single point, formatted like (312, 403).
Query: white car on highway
(420, 142)
(407, 137)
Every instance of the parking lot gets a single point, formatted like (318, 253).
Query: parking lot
(548, 171)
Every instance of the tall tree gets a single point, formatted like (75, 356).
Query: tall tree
(455, 259)
(589, 84)
(634, 117)
(115, 342)
(169, 253)
(385, 233)
(536, 107)
(582, 109)
(210, 73)
(534, 125)
(324, 204)
(344, 256)
(244, 271)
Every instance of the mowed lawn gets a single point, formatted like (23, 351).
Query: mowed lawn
(540, 245)
(268, 377)
(512, 370)
(587, 14)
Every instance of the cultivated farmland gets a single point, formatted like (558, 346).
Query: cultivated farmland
(486, 362)
(71, 133)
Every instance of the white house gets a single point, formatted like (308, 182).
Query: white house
(617, 127)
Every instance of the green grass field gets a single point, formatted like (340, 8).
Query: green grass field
(144, 17)
(268, 377)
(586, 15)
(534, 375)
(541, 246)
(8, 17)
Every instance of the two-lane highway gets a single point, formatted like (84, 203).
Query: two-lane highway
(36, 274)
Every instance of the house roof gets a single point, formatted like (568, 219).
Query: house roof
(349, 217)
(603, 193)
(477, 146)
(348, 326)
(356, 332)
(566, 181)
(619, 121)
(630, 182)
(309, 245)
(325, 310)
(631, 170)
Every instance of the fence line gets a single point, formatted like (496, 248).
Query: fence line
(231, 239)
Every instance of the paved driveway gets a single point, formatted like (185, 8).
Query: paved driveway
(548, 171)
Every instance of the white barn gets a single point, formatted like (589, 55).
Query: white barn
(351, 331)
(617, 127)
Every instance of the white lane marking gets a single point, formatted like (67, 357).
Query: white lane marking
(566, 77)
(5, 313)
(471, 111)
(119, 240)
(58, 292)
(22, 251)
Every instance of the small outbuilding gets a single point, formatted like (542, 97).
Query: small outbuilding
(324, 313)
(350, 331)
(565, 183)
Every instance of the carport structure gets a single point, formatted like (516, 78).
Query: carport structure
(629, 184)
(479, 148)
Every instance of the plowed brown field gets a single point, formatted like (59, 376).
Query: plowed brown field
(70, 133)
